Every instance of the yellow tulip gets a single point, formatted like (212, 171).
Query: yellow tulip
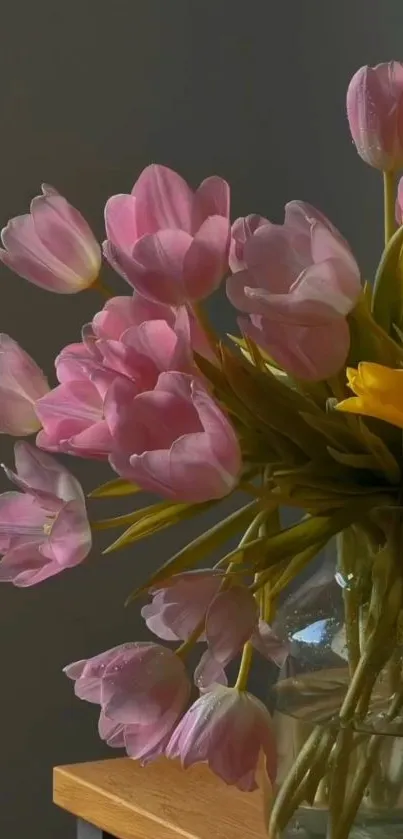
(378, 393)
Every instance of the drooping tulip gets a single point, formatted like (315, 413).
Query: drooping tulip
(375, 114)
(52, 246)
(169, 243)
(180, 604)
(299, 282)
(21, 384)
(174, 440)
(229, 729)
(142, 689)
(43, 529)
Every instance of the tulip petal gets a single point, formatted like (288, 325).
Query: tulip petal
(120, 222)
(164, 200)
(242, 229)
(70, 539)
(206, 260)
(19, 372)
(120, 313)
(272, 262)
(39, 471)
(69, 409)
(112, 732)
(88, 673)
(26, 255)
(177, 609)
(209, 672)
(212, 198)
(25, 566)
(156, 266)
(230, 621)
(311, 353)
(18, 416)
(142, 682)
(21, 520)
(266, 642)
(66, 235)
(155, 340)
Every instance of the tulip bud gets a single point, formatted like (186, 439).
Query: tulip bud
(375, 114)
(52, 246)
(21, 384)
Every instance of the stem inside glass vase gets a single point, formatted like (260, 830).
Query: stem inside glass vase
(347, 765)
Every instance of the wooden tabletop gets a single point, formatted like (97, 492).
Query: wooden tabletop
(161, 800)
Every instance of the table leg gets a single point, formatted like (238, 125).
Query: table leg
(89, 831)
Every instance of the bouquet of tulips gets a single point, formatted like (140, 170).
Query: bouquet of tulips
(304, 409)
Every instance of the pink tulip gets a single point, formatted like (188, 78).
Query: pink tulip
(169, 243)
(178, 606)
(119, 313)
(43, 529)
(299, 282)
(375, 114)
(52, 246)
(21, 384)
(142, 690)
(229, 729)
(74, 414)
(174, 440)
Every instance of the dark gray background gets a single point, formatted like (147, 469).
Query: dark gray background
(252, 91)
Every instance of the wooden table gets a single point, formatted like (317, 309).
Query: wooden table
(119, 798)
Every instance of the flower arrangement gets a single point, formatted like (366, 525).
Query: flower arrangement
(303, 409)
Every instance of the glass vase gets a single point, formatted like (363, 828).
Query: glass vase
(339, 698)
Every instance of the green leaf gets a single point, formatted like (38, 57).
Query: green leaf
(294, 567)
(164, 515)
(355, 461)
(200, 547)
(131, 518)
(271, 403)
(248, 554)
(314, 529)
(369, 340)
(329, 427)
(387, 301)
(115, 489)
(387, 464)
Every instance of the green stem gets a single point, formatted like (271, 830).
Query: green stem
(340, 774)
(187, 645)
(244, 668)
(389, 179)
(104, 291)
(285, 804)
